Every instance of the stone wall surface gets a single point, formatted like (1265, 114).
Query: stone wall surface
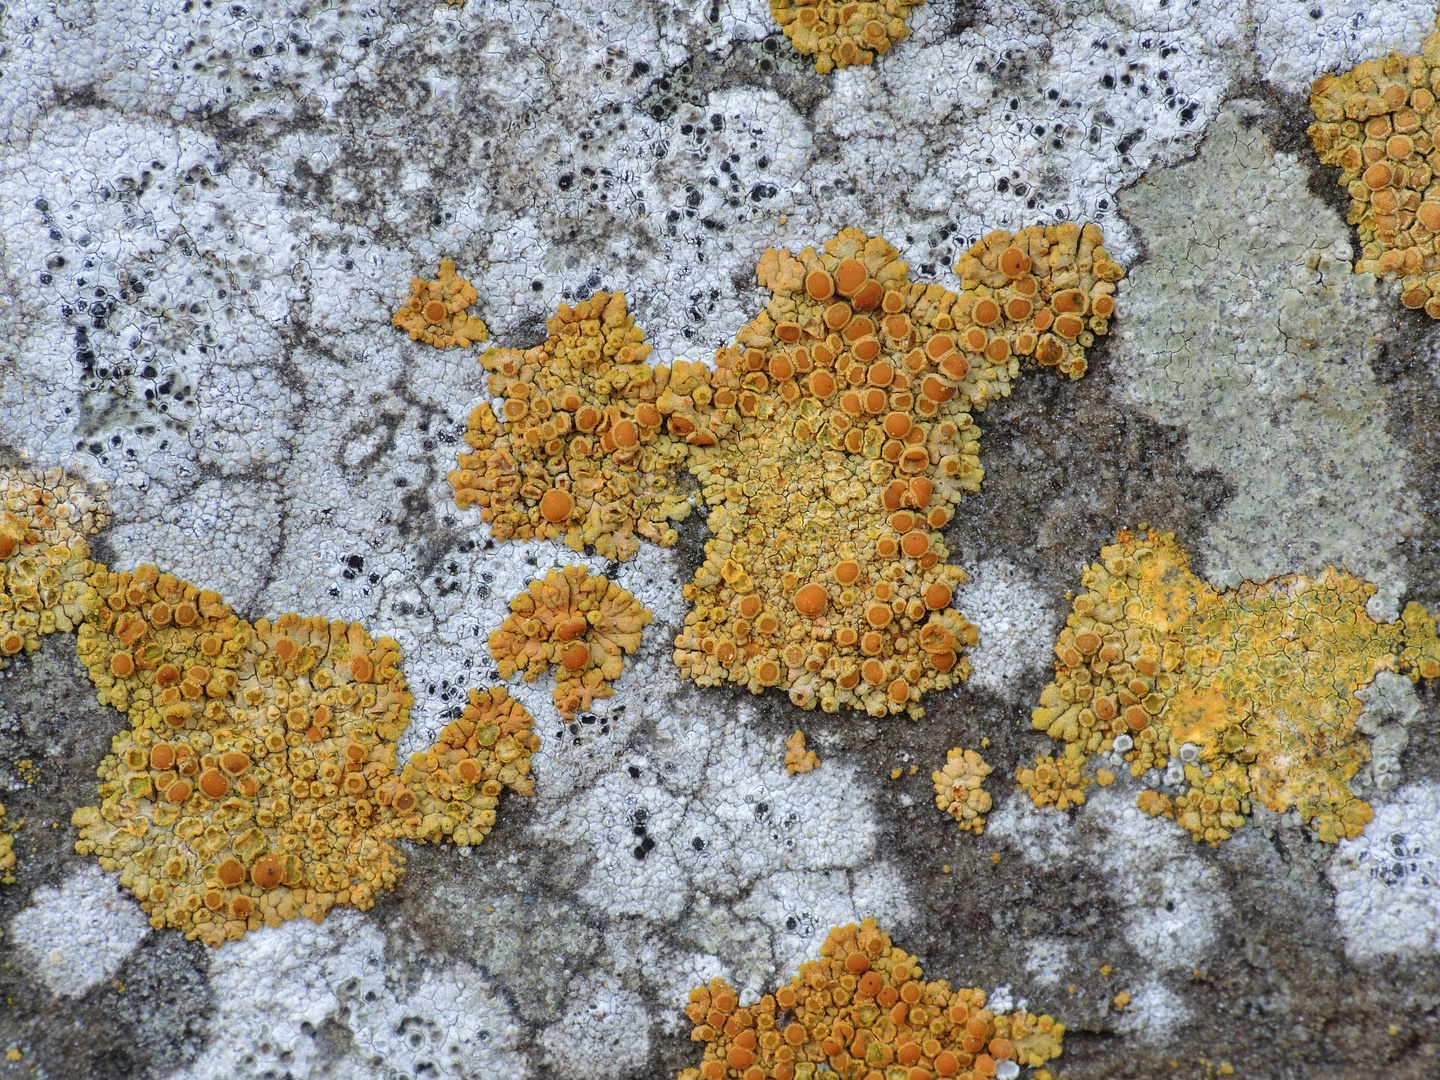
(208, 214)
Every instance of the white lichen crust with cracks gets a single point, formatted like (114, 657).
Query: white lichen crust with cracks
(79, 933)
(1387, 882)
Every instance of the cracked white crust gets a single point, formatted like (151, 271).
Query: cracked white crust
(276, 990)
(1387, 881)
(78, 935)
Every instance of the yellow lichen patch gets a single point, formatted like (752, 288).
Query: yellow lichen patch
(958, 789)
(797, 758)
(1253, 690)
(435, 312)
(1375, 123)
(44, 560)
(832, 443)
(838, 33)
(845, 439)
(1060, 783)
(258, 779)
(581, 624)
(864, 1009)
(7, 853)
(590, 441)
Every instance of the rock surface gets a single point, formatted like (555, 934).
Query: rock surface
(208, 214)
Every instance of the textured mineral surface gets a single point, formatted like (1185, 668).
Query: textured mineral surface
(236, 241)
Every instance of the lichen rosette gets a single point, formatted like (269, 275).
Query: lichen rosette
(589, 443)
(1252, 689)
(799, 759)
(960, 791)
(831, 442)
(44, 559)
(435, 312)
(838, 34)
(864, 1009)
(582, 625)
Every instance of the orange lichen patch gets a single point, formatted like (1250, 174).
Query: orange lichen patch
(584, 625)
(958, 789)
(1055, 782)
(1375, 123)
(589, 442)
(838, 33)
(863, 1010)
(826, 504)
(7, 853)
(1252, 689)
(44, 559)
(435, 312)
(258, 779)
(797, 758)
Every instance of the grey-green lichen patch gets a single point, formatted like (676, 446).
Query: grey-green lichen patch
(1245, 324)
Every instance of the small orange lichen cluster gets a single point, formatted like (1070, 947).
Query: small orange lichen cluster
(583, 625)
(838, 33)
(863, 1011)
(1057, 782)
(1376, 123)
(848, 402)
(44, 559)
(958, 789)
(1252, 689)
(7, 853)
(591, 441)
(435, 312)
(797, 758)
(832, 443)
(258, 779)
